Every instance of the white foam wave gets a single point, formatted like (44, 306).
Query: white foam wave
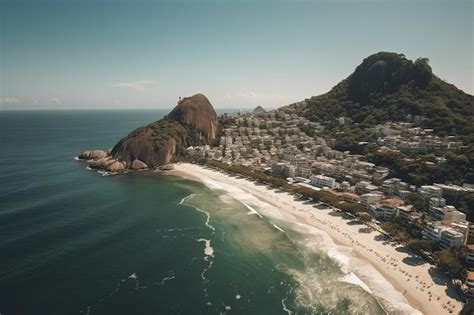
(208, 215)
(213, 184)
(248, 199)
(208, 218)
(278, 228)
(353, 279)
(287, 310)
(167, 279)
(252, 210)
(105, 173)
(77, 158)
(186, 198)
(208, 256)
(358, 271)
(363, 273)
(208, 249)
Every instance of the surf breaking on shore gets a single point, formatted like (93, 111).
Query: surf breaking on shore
(330, 234)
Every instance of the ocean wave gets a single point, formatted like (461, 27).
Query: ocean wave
(208, 256)
(277, 227)
(248, 199)
(105, 173)
(252, 210)
(356, 271)
(186, 198)
(132, 277)
(208, 215)
(286, 309)
(353, 279)
(208, 249)
(167, 278)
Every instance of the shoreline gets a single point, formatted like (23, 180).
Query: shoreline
(416, 284)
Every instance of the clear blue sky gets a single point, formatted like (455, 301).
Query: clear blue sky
(113, 54)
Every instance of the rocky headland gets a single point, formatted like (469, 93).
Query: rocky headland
(192, 122)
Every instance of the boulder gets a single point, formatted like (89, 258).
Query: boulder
(138, 165)
(116, 166)
(93, 155)
(102, 163)
(167, 167)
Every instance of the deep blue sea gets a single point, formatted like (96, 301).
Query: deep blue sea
(75, 242)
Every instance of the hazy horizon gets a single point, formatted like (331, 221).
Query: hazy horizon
(102, 54)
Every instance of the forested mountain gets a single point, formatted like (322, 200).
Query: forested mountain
(385, 87)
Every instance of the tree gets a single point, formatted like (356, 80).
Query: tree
(390, 227)
(468, 308)
(416, 200)
(364, 217)
(450, 261)
(420, 245)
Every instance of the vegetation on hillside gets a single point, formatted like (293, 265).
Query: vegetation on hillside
(165, 129)
(389, 87)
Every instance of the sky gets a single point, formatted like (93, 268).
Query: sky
(146, 54)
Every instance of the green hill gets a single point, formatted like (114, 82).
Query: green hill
(388, 87)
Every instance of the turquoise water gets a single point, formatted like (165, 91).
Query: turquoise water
(75, 242)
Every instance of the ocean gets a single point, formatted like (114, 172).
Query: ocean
(75, 242)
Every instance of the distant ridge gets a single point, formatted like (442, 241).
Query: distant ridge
(259, 110)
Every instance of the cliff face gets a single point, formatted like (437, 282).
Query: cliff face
(198, 116)
(145, 144)
(192, 122)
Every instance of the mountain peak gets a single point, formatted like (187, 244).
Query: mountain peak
(387, 86)
(386, 72)
(196, 112)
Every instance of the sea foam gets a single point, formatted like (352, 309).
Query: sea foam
(208, 249)
(372, 281)
(252, 210)
(208, 215)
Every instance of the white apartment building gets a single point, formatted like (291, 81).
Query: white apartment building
(382, 211)
(370, 199)
(445, 235)
(323, 181)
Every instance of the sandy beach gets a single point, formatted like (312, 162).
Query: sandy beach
(415, 285)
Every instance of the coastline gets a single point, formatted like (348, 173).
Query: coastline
(415, 287)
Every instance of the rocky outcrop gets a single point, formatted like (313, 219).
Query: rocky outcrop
(102, 163)
(138, 165)
(153, 145)
(93, 155)
(198, 116)
(116, 167)
(167, 167)
(192, 122)
(166, 152)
